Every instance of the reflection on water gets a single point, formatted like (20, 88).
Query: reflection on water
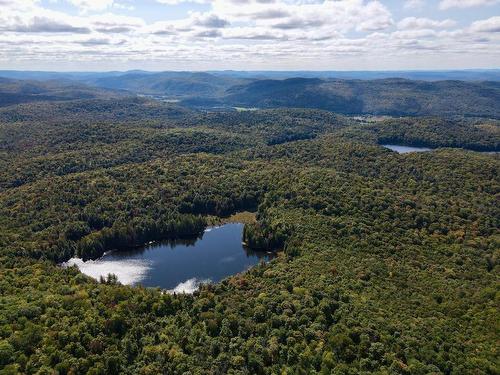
(179, 265)
(128, 271)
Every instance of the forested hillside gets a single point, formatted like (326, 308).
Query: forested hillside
(395, 97)
(22, 91)
(387, 263)
(181, 84)
(174, 84)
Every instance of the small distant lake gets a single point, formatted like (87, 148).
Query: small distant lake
(178, 266)
(406, 149)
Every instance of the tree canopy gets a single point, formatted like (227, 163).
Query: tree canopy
(387, 263)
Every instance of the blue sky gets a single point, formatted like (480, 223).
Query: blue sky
(149, 10)
(102, 35)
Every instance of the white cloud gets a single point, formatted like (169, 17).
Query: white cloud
(208, 20)
(39, 20)
(490, 25)
(424, 23)
(19, 4)
(341, 15)
(113, 23)
(175, 2)
(123, 6)
(447, 4)
(91, 5)
(283, 34)
(45, 25)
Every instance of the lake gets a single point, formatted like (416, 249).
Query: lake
(178, 266)
(406, 149)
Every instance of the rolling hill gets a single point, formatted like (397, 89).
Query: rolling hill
(395, 97)
(26, 91)
(209, 91)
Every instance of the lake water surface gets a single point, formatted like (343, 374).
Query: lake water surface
(178, 266)
(406, 149)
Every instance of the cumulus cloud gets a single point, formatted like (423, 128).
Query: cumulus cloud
(447, 4)
(95, 42)
(115, 24)
(252, 33)
(162, 29)
(208, 20)
(207, 34)
(490, 25)
(341, 15)
(38, 20)
(91, 5)
(424, 23)
(18, 4)
(285, 34)
(175, 2)
(44, 25)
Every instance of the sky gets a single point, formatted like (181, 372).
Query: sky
(103, 35)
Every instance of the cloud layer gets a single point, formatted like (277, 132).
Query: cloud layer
(246, 34)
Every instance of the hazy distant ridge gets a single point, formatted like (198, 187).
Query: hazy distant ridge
(208, 91)
(425, 75)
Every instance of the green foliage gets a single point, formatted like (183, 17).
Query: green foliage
(479, 135)
(390, 262)
(266, 236)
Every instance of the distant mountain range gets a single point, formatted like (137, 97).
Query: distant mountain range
(168, 83)
(228, 89)
(179, 84)
(424, 75)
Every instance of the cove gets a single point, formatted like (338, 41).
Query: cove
(178, 266)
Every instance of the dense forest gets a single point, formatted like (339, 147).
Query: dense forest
(395, 97)
(386, 263)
